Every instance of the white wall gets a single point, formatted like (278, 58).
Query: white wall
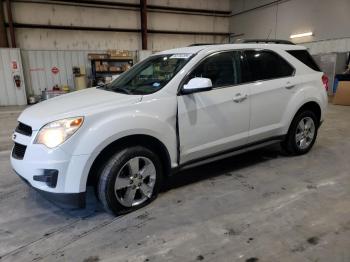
(42, 39)
(341, 45)
(199, 4)
(10, 94)
(326, 19)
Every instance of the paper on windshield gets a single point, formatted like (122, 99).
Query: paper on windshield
(181, 56)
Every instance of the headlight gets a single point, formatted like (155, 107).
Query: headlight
(55, 133)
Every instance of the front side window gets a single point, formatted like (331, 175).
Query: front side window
(150, 75)
(264, 65)
(223, 69)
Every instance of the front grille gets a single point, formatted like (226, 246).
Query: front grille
(24, 129)
(19, 151)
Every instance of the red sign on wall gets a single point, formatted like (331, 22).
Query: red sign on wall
(14, 65)
(55, 70)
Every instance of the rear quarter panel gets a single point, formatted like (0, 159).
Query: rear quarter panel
(309, 88)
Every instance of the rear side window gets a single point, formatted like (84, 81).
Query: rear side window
(265, 65)
(224, 69)
(304, 57)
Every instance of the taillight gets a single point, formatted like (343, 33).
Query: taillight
(325, 82)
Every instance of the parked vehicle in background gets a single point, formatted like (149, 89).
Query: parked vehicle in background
(176, 109)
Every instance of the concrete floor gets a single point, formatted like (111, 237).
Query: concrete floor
(261, 206)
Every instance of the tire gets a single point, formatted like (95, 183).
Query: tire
(131, 179)
(293, 144)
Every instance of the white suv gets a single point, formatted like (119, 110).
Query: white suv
(174, 110)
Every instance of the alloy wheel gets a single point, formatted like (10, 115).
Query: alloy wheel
(135, 181)
(305, 133)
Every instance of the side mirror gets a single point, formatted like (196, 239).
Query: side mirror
(197, 84)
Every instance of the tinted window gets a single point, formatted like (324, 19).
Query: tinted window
(304, 57)
(224, 69)
(265, 65)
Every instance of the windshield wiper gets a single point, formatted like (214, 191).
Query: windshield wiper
(101, 86)
(115, 89)
(121, 90)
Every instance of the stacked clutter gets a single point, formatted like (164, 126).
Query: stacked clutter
(342, 86)
(108, 66)
(56, 91)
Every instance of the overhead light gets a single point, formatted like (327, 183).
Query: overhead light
(301, 35)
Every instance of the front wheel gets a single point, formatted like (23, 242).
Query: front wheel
(302, 133)
(130, 180)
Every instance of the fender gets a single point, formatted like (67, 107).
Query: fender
(112, 127)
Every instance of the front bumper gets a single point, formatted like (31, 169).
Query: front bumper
(64, 200)
(39, 163)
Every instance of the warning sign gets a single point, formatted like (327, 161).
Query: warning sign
(14, 65)
(55, 70)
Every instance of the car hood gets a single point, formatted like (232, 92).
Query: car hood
(79, 103)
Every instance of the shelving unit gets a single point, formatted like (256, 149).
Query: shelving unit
(107, 67)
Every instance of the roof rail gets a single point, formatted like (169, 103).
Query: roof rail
(274, 41)
(200, 44)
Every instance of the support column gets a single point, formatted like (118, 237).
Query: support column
(10, 22)
(3, 33)
(143, 13)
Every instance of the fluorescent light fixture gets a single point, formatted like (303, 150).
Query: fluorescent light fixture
(301, 35)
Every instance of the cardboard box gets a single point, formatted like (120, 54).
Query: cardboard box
(97, 56)
(114, 68)
(126, 67)
(118, 53)
(342, 96)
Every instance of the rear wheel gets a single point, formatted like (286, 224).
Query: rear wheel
(302, 133)
(130, 180)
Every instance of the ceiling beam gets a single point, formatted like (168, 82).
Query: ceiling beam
(113, 29)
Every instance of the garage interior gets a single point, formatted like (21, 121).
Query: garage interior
(259, 206)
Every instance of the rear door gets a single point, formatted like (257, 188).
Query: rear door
(270, 92)
(214, 121)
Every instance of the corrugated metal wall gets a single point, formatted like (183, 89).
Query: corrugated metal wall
(38, 65)
(9, 93)
(329, 46)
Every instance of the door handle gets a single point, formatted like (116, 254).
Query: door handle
(240, 98)
(289, 85)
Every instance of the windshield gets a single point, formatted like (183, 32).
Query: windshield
(150, 75)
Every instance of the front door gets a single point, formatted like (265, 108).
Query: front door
(214, 121)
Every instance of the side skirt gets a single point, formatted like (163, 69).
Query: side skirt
(228, 153)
